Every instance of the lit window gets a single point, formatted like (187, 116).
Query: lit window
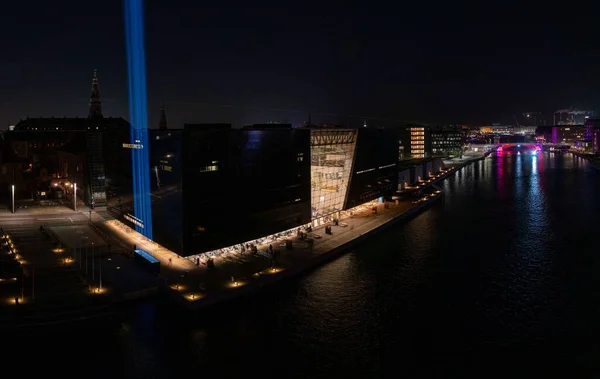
(209, 168)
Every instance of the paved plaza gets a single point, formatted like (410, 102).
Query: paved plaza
(78, 236)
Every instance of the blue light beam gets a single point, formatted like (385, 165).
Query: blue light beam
(138, 112)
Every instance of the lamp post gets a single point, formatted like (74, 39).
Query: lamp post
(100, 271)
(75, 196)
(13, 197)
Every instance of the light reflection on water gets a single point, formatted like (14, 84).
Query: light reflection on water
(506, 271)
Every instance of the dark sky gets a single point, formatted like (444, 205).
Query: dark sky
(256, 64)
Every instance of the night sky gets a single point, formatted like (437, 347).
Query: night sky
(244, 65)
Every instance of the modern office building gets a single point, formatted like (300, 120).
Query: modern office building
(375, 172)
(567, 134)
(414, 142)
(447, 142)
(216, 187)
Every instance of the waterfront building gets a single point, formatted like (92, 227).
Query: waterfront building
(592, 135)
(215, 186)
(414, 141)
(447, 142)
(543, 134)
(567, 135)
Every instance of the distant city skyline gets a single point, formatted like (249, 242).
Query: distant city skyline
(197, 112)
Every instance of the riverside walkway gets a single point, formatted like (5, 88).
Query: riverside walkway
(196, 286)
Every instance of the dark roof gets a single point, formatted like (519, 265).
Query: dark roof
(69, 123)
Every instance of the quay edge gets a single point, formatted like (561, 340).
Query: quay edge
(311, 264)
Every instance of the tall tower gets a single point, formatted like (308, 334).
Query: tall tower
(95, 103)
(162, 123)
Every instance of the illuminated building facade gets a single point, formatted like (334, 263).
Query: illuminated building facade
(215, 187)
(332, 158)
(592, 135)
(447, 142)
(417, 142)
(414, 142)
(568, 134)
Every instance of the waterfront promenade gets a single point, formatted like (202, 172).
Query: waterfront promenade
(196, 286)
(69, 289)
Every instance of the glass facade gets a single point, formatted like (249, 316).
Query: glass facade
(444, 142)
(375, 173)
(417, 142)
(332, 157)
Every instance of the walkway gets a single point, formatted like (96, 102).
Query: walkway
(235, 273)
(237, 270)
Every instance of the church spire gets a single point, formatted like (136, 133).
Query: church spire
(162, 123)
(95, 103)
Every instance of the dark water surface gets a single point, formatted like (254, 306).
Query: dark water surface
(504, 277)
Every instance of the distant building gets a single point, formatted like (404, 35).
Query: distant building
(95, 142)
(592, 135)
(567, 134)
(218, 187)
(162, 122)
(521, 129)
(569, 116)
(447, 142)
(497, 129)
(414, 142)
(543, 134)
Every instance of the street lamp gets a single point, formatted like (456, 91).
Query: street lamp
(100, 271)
(13, 197)
(75, 196)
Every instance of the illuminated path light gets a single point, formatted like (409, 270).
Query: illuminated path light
(138, 112)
